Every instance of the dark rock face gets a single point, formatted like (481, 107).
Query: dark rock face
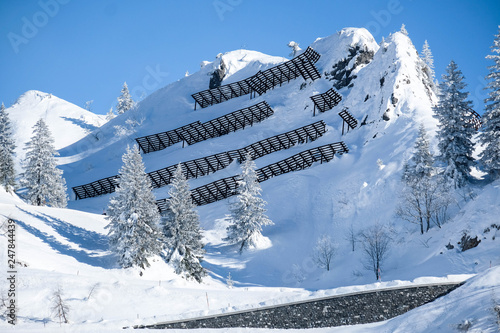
(217, 76)
(341, 72)
(360, 308)
(467, 242)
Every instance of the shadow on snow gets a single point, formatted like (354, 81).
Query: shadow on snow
(94, 244)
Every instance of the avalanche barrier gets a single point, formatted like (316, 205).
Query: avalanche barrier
(226, 187)
(210, 164)
(302, 65)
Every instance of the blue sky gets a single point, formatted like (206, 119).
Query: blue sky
(84, 50)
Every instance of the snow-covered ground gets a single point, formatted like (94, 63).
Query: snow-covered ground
(67, 122)
(68, 248)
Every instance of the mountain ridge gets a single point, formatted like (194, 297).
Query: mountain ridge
(67, 121)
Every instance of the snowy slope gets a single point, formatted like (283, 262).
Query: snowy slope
(304, 205)
(384, 88)
(388, 92)
(67, 122)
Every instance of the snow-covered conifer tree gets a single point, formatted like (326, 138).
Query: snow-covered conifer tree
(429, 61)
(421, 196)
(403, 30)
(420, 165)
(247, 212)
(134, 233)
(295, 48)
(427, 55)
(41, 177)
(181, 228)
(455, 126)
(110, 115)
(7, 146)
(125, 101)
(88, 105)
(490, 137)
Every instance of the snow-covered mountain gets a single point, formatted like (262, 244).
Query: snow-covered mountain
(67, 122)
(386, 89)
(383, 86)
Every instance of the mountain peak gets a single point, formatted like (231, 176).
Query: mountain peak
(33, 96)
(67, 122)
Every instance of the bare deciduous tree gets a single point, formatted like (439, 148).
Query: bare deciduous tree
(376, 241)
(324, 251)
(59, 307)
(425, 202)
(352, 236)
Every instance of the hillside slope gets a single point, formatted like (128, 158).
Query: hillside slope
(67, 122)
(383, 87)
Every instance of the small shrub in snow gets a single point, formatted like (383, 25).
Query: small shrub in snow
(465, 326)
(92, 291)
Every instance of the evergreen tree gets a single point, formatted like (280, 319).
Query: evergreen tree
(490, 137)
(429, 61)
(425, 198)
(88, 105)
(125, 101)
(110, 115)
(295, 48)
(134, 233)
(181, 228)
(455, 126)
(420, 165)
(403, 30)
(44, 181)
(427, 55)
(247, 213)
(7, 146)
